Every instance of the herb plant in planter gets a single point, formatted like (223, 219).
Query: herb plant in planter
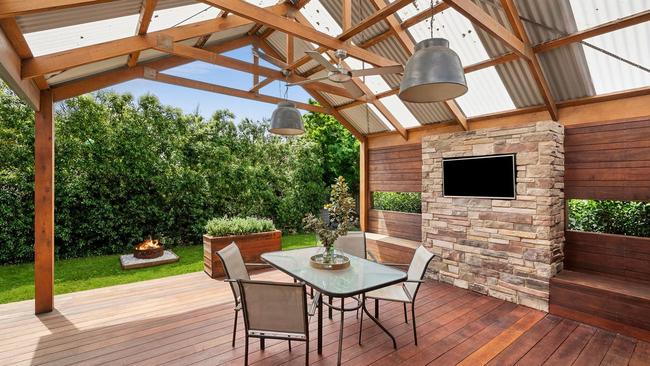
(341, 210)
(253, 236)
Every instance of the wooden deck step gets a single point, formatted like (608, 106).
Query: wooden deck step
(389, 249)
(615, 304)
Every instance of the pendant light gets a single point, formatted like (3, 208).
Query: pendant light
(286, 119)
(433, 73)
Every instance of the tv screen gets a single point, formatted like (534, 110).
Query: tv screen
(491, 176)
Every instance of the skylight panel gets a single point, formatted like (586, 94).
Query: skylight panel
(81, 35)
(616, 60)
(460, 32)
(486, 94)
(590, 13)
(321, 19)
(187, 14)
(399, 110)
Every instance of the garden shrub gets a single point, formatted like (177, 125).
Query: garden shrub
(397, 201)
(225, 226)
(611, 217)
(127, 169)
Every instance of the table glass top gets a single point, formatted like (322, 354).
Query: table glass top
(361, 276)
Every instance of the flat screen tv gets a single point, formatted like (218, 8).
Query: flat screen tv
(492, 176)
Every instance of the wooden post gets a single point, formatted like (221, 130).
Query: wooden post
(44, 205)
(364, 186)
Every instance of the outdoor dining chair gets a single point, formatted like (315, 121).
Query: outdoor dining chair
(235, 269)
(354, 243)
(404, 292)
(275, 310)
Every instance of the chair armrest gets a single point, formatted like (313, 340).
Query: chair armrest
(257, 265)
(229, 280)
(396, 264)
(371, 256)
(416, 281)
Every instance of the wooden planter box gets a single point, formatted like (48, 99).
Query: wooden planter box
(251, 247)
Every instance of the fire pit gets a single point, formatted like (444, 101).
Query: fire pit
(148, 249)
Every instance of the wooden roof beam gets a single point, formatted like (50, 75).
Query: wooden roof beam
(166, 44)
(479, 17)
(533, 62)
(13, 8)
(381, 14)
(11, 29)
(10, 72)
(598, 30)
(146, 13)
(264, 16)
(99, 81)
(63, 60)
(152, 74)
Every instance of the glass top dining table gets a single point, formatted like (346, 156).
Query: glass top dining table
(360, 277)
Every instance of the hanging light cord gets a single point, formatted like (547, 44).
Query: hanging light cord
(431, 20)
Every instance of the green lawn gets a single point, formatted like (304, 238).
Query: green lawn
(17, 281)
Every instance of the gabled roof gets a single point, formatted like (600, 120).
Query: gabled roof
(568, 50)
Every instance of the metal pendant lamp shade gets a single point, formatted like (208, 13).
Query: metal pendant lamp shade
(286, 120)
(433, 74)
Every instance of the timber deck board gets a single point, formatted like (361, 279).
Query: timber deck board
(187, 320)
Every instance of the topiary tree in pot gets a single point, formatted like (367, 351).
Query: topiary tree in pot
(341, 210)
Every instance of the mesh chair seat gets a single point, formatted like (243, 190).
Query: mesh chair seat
(390, 293)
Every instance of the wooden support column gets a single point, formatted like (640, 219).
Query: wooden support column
(44, 205)
(364, 185)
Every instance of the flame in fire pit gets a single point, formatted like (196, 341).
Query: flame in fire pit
(148, 244)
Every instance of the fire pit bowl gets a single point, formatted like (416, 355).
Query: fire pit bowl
(148, 249)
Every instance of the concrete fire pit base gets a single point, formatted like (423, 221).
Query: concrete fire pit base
(128, 261)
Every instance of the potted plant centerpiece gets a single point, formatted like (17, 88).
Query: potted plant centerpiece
(341, 209)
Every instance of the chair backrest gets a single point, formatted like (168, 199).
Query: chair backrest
(417, 269)
(278, 307)
(234, 267)
(354, 243)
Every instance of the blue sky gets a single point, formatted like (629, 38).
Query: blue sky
(189, 99)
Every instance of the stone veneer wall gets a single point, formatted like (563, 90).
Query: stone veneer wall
(508, 249)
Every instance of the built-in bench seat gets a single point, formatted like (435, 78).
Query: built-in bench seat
(605, 301)
(390, 249)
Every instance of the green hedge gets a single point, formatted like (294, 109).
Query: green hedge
(127, 169)
(611, 217)
(397, 201)
(225, 226)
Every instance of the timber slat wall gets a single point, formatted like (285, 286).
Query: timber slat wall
(625, 257)
(396, 169)
(610, 161)
(397, 224)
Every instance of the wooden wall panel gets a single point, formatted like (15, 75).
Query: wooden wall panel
(621, 256)
(608, 161)
(396, 224)
(396, 169)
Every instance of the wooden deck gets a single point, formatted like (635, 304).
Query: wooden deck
(187, 320)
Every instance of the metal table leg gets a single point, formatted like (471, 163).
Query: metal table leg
(320, 324)
(365, 310)
(341, 331)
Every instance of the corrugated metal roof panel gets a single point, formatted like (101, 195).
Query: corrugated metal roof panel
(360, 11)
(363, 118)
(86, 70)
(335, 100)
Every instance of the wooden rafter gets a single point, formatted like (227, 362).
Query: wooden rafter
(214, 88)
(12, 8)
(108, 78)
(146, 13)
(458, 114)
(59, 61)
(533, 62)
(11, 29)
(167, 45)
(379, 15)
(346, 16)
(263, 16)
(394, 25)
(612, 26)
(10, 72)
(479, 17)
(491, 62)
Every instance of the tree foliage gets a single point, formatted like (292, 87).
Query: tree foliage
(127, 169)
